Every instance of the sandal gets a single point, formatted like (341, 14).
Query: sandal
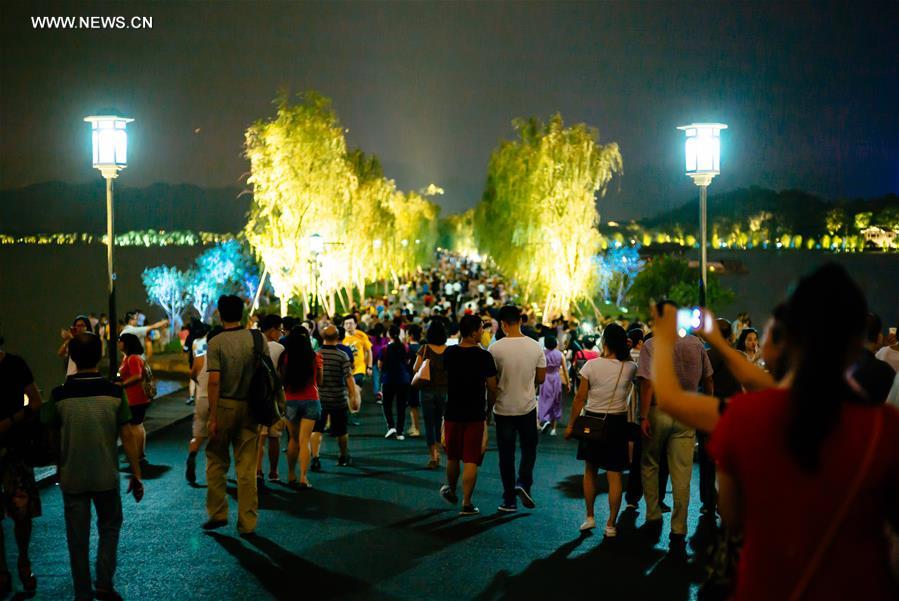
(273, 477)
(29, 582)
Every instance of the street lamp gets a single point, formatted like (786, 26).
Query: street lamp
(110, 155)
(703, 155)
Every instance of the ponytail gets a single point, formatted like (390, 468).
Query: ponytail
(820, 357)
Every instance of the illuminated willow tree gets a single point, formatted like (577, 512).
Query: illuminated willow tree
(306, 183)
(538, 217)
(302, 185)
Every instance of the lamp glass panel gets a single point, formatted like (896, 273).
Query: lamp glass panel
(121, 147)
(107, 147)
(690, 148)
(95, 144)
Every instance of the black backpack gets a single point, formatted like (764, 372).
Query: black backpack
(265, 385)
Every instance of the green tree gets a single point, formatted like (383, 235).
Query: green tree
(671, 277)
(537, 218)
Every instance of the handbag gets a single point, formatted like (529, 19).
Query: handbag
(423, 376)
(588, 427)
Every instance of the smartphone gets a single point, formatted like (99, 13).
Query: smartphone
(691, 320)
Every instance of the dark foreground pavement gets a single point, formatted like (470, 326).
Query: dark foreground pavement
(376, 530)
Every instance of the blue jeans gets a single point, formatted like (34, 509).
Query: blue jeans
(297, 410)
(433, 406)
(78, 534)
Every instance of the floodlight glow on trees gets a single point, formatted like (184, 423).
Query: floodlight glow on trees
(702, 151)
(110, 155)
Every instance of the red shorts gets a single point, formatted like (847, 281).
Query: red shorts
(464, 441)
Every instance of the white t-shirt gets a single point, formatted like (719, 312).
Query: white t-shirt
(890, 356)
(517, 360)
(601, 374)
(139, 331)
(893, 396)
(198, 348)
(275, 349)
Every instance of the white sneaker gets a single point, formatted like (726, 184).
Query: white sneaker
(611, 532)
(400, 437)
(552, 432)
(589, 524)
(390, 432)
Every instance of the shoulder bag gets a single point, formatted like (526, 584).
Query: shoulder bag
(423, 376)
(588, 427)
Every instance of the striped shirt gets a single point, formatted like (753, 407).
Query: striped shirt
(89, 410)
(336, 368)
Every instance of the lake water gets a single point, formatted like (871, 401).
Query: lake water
(42, 288)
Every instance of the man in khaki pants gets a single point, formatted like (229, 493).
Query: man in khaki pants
(231, 364)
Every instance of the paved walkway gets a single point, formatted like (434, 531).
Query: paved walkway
(376, 530)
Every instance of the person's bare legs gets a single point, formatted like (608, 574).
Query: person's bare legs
(293, 451)
(414, 413)
(452, 473)
(590, 488)
(343, 443)
(142, 440)
(469, 479)
(615, 489)
(306, 426)
(316, 443)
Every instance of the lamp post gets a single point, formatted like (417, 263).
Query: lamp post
(110, 155)
(316, 246)
(703, 154)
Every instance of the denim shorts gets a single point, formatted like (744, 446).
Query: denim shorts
(297, 410)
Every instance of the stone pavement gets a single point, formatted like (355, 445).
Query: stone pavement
(376, 530)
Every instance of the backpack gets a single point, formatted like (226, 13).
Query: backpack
(264, 385)
(148, 382)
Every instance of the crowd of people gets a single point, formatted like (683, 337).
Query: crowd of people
(798, 444)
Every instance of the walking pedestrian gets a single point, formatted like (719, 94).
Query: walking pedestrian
(413, 400)
(90, 414)
(471, 390)
(521, 367)
(301, 371)
(270, 436)
(336, 392)
(433, 392)
(359, 343)
(671, 438)
(231, 363)
(199, 374)
(18, 491)
(549, 404)
(393, 367)
(132, 375)
(604, 393)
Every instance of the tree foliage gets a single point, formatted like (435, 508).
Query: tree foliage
(305, 182)
(671, 277)
(537, 219)
(167, 287)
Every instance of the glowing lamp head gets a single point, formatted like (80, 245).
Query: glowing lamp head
(110, 142)
(404, 242)
(703, 151)
(316, 244)
(376, 243)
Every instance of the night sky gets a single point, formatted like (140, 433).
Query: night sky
(810, 90)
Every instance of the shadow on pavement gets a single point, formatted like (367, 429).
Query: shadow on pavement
(284, 574)
(627, 568)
